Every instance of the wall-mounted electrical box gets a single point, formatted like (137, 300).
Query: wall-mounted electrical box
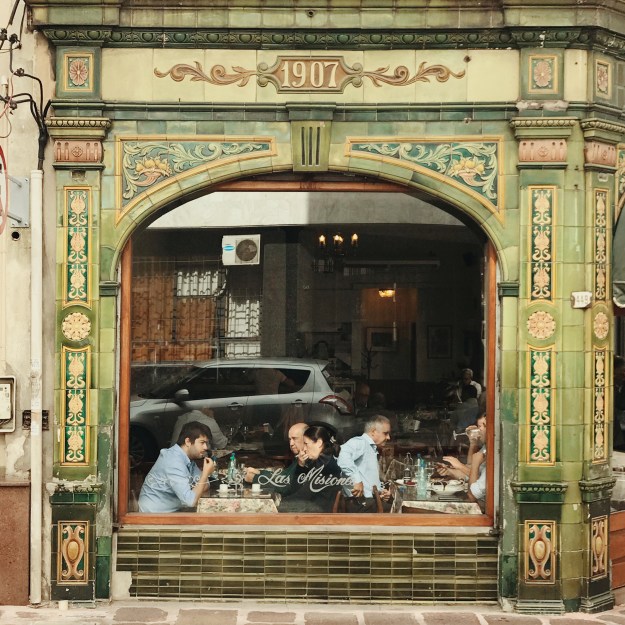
(7, 403)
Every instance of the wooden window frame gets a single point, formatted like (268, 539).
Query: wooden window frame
(125, 517)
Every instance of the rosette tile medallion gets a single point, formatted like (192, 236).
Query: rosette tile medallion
(601, 325)
(543, 73)
(541, 324)
(76, 326)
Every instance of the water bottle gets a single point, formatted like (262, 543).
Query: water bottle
(407, 468)
(422, 479)
(232, 470)
(215, 474)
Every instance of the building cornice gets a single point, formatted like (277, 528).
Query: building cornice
(108, 35)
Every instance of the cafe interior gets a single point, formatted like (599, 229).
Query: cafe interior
(395, 305)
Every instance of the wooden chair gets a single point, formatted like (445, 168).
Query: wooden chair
(378, 500)
(339, 501)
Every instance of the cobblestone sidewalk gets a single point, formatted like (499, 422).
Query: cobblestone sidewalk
(189, 613)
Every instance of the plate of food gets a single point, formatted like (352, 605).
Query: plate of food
(447, 486)
(403, 482)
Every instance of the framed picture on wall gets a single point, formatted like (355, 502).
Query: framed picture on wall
(380, 340)
(439, 341)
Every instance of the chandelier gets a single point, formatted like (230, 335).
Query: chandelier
(337, 245)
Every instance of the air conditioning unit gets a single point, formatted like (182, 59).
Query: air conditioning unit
(243, 249)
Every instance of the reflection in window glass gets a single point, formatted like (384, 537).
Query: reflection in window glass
(298, 433)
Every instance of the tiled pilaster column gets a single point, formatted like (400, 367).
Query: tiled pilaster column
(84, 410)
(549, 348)
(600, 161)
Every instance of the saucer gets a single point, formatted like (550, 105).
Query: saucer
(451, 486)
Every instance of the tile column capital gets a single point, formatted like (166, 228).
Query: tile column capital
(78, 127)
(543, 127)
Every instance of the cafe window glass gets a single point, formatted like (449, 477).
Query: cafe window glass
(251, 355)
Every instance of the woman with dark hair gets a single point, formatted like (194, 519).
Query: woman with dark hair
(315, 485)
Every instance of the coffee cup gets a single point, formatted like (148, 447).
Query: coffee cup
(256, 488)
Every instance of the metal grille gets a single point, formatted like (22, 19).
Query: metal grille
(183, 309)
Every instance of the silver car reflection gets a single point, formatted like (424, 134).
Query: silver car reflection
(240, 393)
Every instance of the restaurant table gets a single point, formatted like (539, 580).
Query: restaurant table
(443, 506)
(248, 503)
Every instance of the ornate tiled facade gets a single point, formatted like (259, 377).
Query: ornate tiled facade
(498, 125)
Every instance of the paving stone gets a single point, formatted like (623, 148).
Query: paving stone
(565, 620)
(271, 617)
(329, 618)
(511, 619)
(612, 618)
(140, 615)
(207, 617)
(442, 618)
(396, 618)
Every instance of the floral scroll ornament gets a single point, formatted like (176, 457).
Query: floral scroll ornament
(541, 422)
(472, 164)
(73, 552)
(146, 163)
(602, 71)
(541, 324)
(76, 326)
(309, 74)
(599, 412)
(601, 325)
(541, 254)
(539, 552)
(599, 545)
(601, 244)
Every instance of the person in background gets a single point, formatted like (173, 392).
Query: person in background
(175, 481)
(466, 380)
(206, 416)
(314, 485)
(358, 460)
(284, 484)
(618, 373)
(465, 413)
(361, 397)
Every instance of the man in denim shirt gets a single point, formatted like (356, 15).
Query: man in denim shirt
(175, 481)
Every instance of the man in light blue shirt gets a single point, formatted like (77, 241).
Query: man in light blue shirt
(358, 459)
(175, 481)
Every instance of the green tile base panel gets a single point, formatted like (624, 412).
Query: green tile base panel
(309, 566)
(542, 606)
(600, 603)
